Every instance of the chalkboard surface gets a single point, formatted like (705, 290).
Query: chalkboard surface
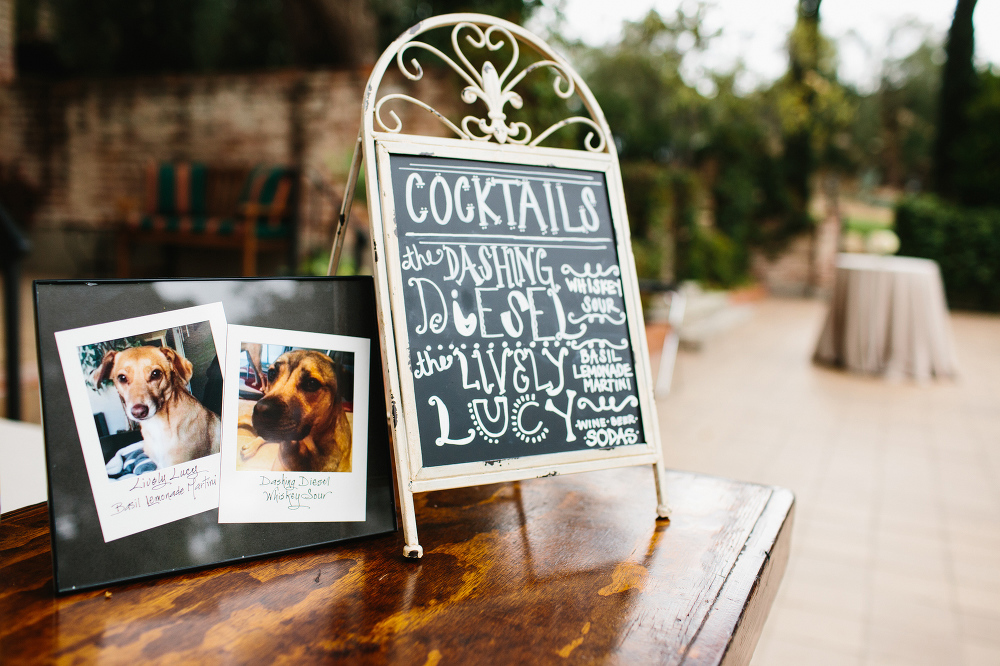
(515, 314)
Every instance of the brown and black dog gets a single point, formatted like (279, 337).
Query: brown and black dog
(302, 411)
(152, 383)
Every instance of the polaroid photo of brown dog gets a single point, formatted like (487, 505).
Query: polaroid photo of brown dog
(146, 395)
(295, 441)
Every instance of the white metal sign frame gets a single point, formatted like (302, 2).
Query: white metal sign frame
(489, 139)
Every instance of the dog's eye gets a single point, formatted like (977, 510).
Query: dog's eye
(156, 374)
(310, 384)
(272, 374)
(122, 379)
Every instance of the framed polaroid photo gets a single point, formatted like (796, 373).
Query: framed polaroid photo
(295, 437)
(146, 398)
(103, 450)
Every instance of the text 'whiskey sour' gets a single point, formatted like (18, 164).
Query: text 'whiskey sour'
(518, 337)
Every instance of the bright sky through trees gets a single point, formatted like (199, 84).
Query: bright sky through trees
(754, 31)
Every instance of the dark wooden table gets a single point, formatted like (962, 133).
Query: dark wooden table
(572, 568)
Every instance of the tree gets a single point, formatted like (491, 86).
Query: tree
(657, 121)
(129, 37)
(652, 112)
(750, 197)
(125, 37)
(977, 169)
(395, 16)
(797, 100)
(683, 152)
(958, 87)
(907, 104)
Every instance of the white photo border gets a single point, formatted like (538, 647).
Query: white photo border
(242, 496)
(119, 505)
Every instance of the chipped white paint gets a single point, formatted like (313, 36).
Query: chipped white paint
(488, 138)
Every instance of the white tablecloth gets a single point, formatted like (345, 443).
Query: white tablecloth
(888, 317)
(22, 465)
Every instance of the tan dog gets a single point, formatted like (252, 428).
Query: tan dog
(152, 383)
(303, 413)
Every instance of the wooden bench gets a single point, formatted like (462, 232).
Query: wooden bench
(194, 205)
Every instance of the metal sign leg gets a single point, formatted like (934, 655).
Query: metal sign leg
(411, 549)
(345, 208)
(659, 472)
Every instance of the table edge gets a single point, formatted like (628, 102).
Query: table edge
(753, 583)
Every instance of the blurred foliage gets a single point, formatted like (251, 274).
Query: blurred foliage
(810, 101)
(711, 257)
(958, 87)
(129, 37)
(395, 16)
(976, 153)
(542, 107)
(751, 199)
(864, 225)
(653, 113)
(753, 157)
(964, 241)
(894, 129)
(88, 37)
(748, 159)
(92, 355)
(960, 228)
(816, 113)
(656, 206)
(662, 129)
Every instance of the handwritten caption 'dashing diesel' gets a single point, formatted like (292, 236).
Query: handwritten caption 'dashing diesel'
(295, 491)
(515, 310)
(186, 482)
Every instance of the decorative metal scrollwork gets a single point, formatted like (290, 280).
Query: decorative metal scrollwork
(490, 87)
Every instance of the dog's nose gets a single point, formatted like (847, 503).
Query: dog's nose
(140, 411)
(266, 409)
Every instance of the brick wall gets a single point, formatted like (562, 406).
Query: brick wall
(6, 41)
(82, 145)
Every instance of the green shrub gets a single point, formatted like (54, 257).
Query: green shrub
(965, 242)
(653, 207)
(648, 258)
(864, 226)
(714, 259)
(668, 241)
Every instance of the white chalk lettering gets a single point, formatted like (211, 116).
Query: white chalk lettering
(503, 353)
(414, 179)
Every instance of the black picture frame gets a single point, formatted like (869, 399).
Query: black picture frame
(82, 559)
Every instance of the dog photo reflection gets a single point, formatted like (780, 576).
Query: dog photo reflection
(295, 409)
(156, 398)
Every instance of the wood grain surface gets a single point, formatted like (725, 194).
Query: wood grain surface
(572, 569)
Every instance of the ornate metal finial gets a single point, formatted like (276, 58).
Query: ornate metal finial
(491, 88)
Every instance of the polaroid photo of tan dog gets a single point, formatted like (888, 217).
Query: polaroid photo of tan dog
(302, 413)
(295, 436)
(146, 395)
(152, 382)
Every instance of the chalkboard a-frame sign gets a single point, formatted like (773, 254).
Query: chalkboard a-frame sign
(513, 338)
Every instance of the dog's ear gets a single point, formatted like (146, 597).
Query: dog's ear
(103, 371)
(182, 367)
(335, 367)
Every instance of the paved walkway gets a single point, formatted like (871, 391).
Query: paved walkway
(896, 547)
